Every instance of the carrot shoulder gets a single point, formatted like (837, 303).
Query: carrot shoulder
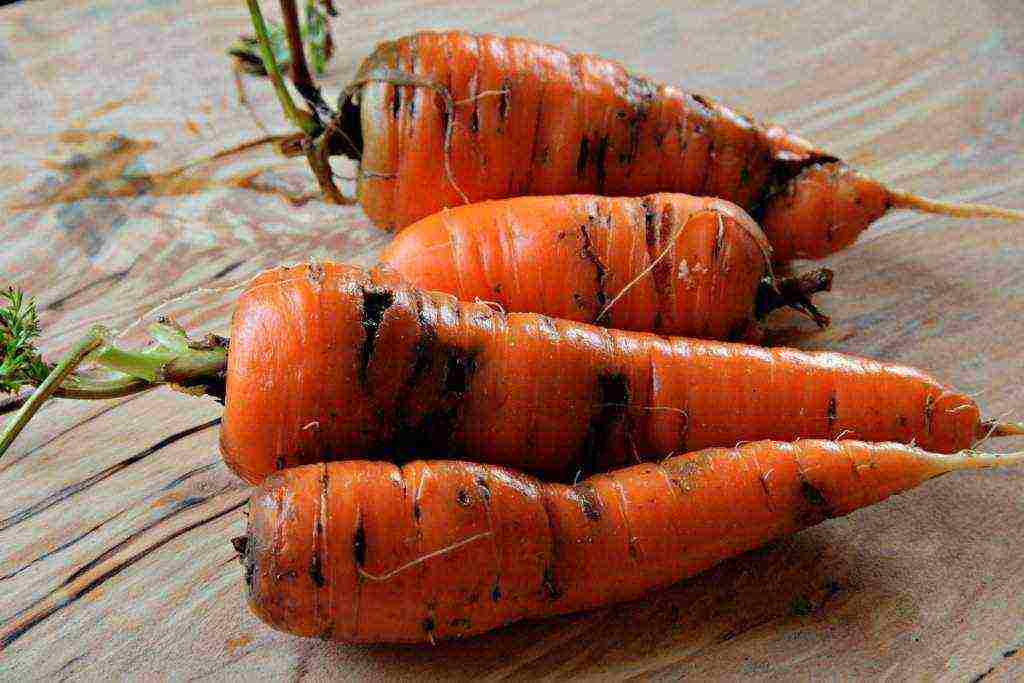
(435, 550)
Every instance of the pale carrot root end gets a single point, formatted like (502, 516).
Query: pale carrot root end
(905, 200)
(975, 460)
(993, 428)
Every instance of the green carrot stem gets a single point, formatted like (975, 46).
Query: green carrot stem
(95, 338)
(195, 368)
(303, 119)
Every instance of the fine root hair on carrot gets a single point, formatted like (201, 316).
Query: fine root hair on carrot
(670, 244)
(423, 558)
(630, 406)
(399, 77)
(905, 200)
(282, 142)
(481, 95)
(997, 428)
(492, 305)
(243, 100)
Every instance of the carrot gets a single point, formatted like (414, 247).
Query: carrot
(672, 264)
(328, 361)
(371, 552)
(442, 119)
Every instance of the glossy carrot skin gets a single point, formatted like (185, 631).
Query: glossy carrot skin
(332, 362)
(570, 257)
(532, 119)
(372, 552)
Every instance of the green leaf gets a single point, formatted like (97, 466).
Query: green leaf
(316, 36)
(21, 364)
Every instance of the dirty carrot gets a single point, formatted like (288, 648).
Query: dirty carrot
(442, 119)
(372, 552)
(328, 361)
(666, 263)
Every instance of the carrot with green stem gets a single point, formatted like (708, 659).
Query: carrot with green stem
(442, 119)
(328, 361)
(666, 263)
(371, 552)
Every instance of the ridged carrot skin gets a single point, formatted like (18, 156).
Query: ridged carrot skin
(571, 256)
(372, 552)
(332, 362)
(532, 119)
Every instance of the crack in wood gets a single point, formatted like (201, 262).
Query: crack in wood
(89, 482)
(85, 581)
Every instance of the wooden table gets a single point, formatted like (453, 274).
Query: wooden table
(115, 516)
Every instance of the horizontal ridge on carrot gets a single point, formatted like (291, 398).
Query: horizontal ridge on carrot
(439, 119)
(435, 550)
(666, 263)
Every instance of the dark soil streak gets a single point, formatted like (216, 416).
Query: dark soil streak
(582, 158)
(589, 501)
(359, 545)
(832, 413)
(600, 271)
(599, 163)
(613, 399)
(375, 306)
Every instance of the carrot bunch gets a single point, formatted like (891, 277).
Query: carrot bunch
(328, 362)
(536, 404)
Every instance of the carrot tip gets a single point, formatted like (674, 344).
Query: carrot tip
(990, 428)
(906, 200)
(973, 460)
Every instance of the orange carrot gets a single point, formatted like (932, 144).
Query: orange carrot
(371, 552)
(671, 264)
(331, 362)
(328, 361)
(442, 119)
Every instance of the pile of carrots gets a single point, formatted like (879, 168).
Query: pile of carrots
(539, 403)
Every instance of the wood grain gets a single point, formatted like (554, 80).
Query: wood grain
(115, 517)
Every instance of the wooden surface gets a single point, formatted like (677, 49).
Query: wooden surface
(115, 516)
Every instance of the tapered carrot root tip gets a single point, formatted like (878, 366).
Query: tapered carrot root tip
(796, 292)
(898, 199)
(975, 460)
(991, 428)
(822, 210)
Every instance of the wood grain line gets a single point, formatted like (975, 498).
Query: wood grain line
(62, 546)
(35, 449)
(110, 564)
(58, 304)
(88, 483)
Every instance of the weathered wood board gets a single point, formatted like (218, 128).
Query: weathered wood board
(115, 516)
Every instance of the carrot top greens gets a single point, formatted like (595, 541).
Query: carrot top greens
(195, 367)
(19, 328)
